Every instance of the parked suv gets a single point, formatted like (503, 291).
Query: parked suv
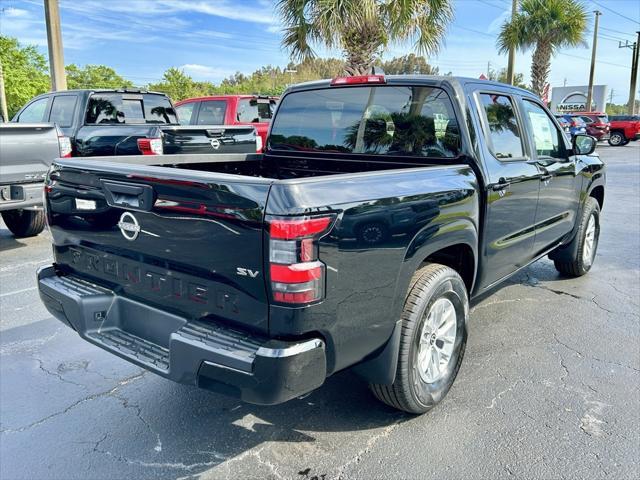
(597, 124)
(577, 126)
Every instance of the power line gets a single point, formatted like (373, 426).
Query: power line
(597, 61)
(614, 12)
(618, 31)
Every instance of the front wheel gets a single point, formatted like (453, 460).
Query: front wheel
(433, 340)
(585, 243)
(617, 139)
(24, 223)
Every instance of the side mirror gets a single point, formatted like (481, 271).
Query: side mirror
(584, 144)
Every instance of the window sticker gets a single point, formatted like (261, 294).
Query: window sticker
(542, 133)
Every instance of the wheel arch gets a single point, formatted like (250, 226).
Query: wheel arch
(457, 251)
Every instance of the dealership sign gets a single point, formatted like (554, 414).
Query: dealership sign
(574, 99)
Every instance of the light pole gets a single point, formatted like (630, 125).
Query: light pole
(54, 42)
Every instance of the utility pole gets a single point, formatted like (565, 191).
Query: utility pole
(54, 41)
(512, 50)
(635, 48)
(634, 76)
(593, 60)
(3, 97)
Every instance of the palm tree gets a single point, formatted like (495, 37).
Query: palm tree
(362, 28)
(545, 26)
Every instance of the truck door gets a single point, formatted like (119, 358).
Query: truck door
(559, 184)
(513, 184)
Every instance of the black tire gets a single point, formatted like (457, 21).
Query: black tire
(24, 223)
(575, 264)
(617, 139)
(409, 391)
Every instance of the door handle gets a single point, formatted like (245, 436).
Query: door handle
(545, 177)
(502, 185)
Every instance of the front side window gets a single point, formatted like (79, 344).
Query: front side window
(504, 131)
(380, 120)
(34, 113)
(62, 110)
(212, 112)
(547, 138)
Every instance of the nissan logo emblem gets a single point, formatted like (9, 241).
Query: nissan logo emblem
(129, 226)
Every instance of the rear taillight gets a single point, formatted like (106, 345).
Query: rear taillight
(359, 79)
(297, 275)
(258, 144)
(64, 144)
(150, 146)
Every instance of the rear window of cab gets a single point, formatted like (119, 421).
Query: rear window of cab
(377, 120)
(129, 108)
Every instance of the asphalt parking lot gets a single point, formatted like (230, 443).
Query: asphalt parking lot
(550, 388)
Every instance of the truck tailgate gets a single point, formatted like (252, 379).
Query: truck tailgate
(209, 139)
(177, 239)
(26, 151)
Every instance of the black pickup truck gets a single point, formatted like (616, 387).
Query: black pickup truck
(379, 208)
(131, 122)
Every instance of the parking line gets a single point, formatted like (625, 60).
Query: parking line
(18, 291)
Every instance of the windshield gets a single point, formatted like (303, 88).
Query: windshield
(381, 120)
(130, 108)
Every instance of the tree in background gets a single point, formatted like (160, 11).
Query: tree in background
(25, 73)
(362, 28)
(178, 85)
(409, 64)
(545, 26)
(501, 76)
(94, 76)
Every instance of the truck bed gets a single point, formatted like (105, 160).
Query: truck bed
(274, 167)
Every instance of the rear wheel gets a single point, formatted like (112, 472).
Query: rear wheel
(585, 243)
(24, 223)
(617, 139)
(433, 340)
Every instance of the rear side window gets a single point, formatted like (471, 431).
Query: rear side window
(62, 110)
(212, 112)
(504, 131)
(380, 120)
(116, 108)
(251, 110)
(34, 113)
(185, 113)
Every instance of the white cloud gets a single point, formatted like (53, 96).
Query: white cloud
(206, 72)
(494, 27)
(12, 12)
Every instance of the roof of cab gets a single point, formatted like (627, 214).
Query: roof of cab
(433, 80)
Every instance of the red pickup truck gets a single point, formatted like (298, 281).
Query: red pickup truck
(255, 110)
(624, 129)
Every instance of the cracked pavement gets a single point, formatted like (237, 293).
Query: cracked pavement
(550, 388)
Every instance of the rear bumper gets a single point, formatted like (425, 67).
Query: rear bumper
(14, 197)
(256, 369)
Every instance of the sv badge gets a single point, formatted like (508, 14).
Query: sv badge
(245, 272)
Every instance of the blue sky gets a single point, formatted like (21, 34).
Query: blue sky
(211, 39)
